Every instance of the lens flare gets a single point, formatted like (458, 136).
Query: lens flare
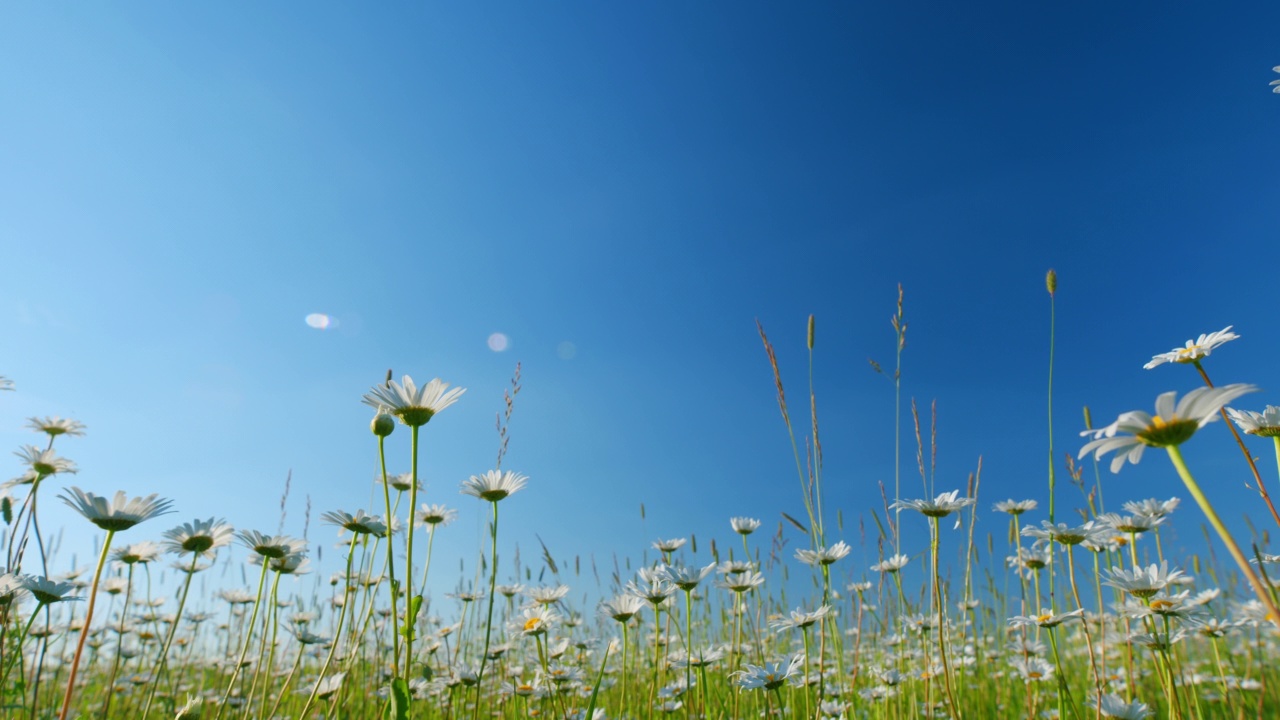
(498, 342)
(319, 321)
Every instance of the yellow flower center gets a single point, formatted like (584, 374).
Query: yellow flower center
(532, 624)
(1035, 675)
(1161, 605)
(1044, 618)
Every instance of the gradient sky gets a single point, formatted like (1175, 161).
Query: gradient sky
(622, 190)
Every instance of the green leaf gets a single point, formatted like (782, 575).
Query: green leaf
(399, 708)
(411, 617)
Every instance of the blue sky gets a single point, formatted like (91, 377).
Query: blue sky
(622, 190)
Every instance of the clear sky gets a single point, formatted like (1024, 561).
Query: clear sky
(622, 190)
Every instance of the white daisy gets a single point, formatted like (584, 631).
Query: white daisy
(744, 525)
(413, 405)
(435, 515)
(891, 564)
(1114, 706)
(1171, 425)
(119, 513)
(941, 506)
(199, 536)
(1015, 507)
(824, 556)
(55, 426)
(1263, 424)
(1195, 349)
(494, 485)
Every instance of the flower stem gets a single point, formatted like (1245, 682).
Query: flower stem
(391, 572)
(1259, 589)
(84, 634)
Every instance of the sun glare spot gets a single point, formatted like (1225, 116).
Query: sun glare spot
(566, 350)
(498, 342)
(320, 321)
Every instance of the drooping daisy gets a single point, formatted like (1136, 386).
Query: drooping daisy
(494, 485)
(413, 405)
(1263, 424)
(199, 536)
(1114, 706)
(1171, 425)
(941, 506)
(119, 513)
(823, 556)
(1195, 349)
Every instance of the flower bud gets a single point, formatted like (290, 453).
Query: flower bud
(1051, 281)
(382, 424)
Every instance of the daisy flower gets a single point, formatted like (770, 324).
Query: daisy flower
(622, 607)
(669, 546)
(271, 546)
(1033, 669)
(769, 676)
(435, 515)
(45, 462)
(119, 513)
(1114, 706)
(1046, 619)
(891, 564)
(1195, 349)
(941, 506)
(55, 426)
(687, 578)
(800, 619)
(1063, 533)
(139, 552)
(1136, 524)
(1015, 507)
(359, 524)
(823, 556)
(741, 581)
(1144, 582)
(744, 525)
(1263, 424)
(547, 595)
(46, 591)
(1171, 425)
(534, 621)
(494, 485)
(413, 405)
(1153, 508)
(199, 536)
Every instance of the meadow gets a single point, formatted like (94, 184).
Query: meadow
(1077, 612)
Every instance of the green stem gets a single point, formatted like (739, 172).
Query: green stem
(488, 624)
(1194, 488)
(173, 630)
(84, 634)
(391, 571)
